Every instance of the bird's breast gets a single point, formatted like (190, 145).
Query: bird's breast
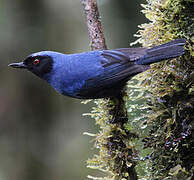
(71, 74)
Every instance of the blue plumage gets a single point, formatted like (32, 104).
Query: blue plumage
(96, 74)
(70, 72)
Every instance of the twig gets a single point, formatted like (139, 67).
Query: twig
(94, 25)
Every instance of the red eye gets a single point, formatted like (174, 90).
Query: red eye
(36, 61)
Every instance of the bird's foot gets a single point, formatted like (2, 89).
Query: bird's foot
(118, 119)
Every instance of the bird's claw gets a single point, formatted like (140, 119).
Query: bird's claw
(118, 119)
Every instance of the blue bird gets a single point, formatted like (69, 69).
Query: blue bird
(96, 74)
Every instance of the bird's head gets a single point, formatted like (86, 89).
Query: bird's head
(40, 63)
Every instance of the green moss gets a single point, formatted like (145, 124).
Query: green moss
(157, 139)
(117, 155)
(170, 86)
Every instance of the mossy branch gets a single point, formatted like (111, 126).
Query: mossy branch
(117, 155)
(165, 124)
(170, 91)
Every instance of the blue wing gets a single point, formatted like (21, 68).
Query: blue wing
(118, 67)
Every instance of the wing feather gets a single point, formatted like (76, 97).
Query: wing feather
(119, 66)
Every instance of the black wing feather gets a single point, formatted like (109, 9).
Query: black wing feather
(119, 66)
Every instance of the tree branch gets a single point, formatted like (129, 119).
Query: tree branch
(115, 157)
(94, 25)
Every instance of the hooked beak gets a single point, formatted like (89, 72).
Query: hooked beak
(18, 65)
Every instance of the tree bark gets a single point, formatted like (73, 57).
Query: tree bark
(94, 24)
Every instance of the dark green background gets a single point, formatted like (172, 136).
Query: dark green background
(40, 130)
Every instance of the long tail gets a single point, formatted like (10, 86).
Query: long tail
(168, 50)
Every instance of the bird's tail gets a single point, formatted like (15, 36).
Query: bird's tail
(168, 50)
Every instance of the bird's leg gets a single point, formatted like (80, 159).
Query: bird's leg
(118, 112)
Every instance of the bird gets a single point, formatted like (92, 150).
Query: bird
(97, 74)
